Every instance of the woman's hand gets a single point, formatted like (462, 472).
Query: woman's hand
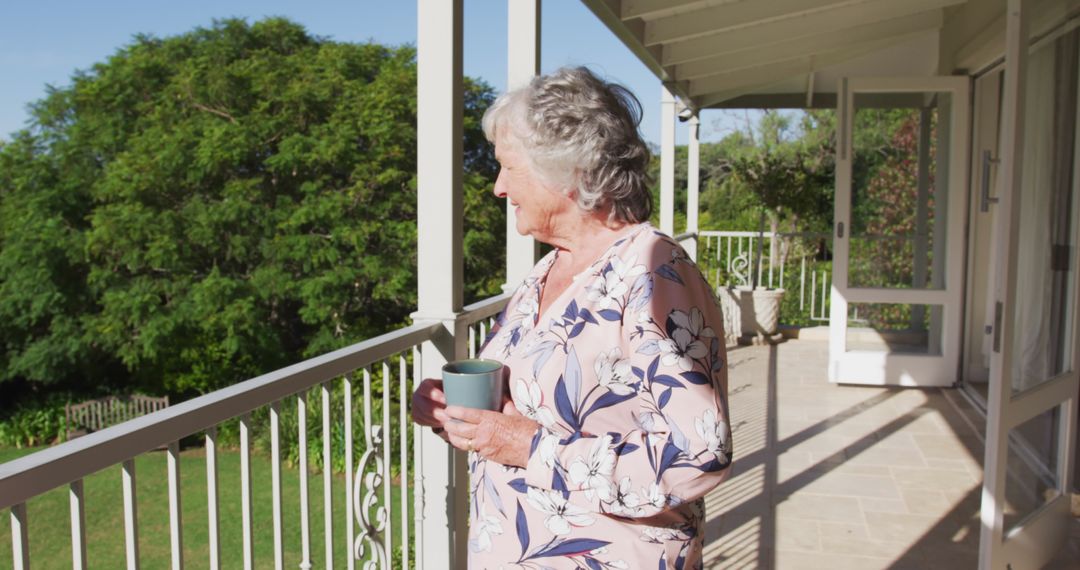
(426, 400)
(503, 437)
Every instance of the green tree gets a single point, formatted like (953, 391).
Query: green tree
(203, 208)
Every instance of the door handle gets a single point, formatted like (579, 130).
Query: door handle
(987, 160)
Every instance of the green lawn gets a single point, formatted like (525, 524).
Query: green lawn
(50, 529)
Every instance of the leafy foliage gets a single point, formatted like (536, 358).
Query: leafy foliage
(203, 208)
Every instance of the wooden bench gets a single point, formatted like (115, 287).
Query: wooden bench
(94, 415)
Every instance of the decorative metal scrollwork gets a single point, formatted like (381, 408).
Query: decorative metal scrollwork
(739, 267)
(367, 485)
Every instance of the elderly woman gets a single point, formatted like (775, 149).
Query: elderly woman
(617, 424)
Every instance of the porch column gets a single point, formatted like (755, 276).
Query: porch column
(441, 476)
(667, 161)
(523, 63)
(693, 182)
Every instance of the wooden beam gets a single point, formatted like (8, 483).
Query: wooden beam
(719, 88)
(717, 19)
(630, 33)
(649, 9)
(809, 45)
(813, 24)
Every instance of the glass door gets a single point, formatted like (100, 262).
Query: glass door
(1034, 379)
(901, 176)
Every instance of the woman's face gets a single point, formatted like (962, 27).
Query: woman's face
(539, 208)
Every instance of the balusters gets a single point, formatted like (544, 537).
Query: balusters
(802, 285)
(20, 538)
(328, 506)
(347, 385)
(176, 531)
(472, 342)
(813, 292)
(387, 443)
(418, 461)
(131, 519)
(275, 482)
(78, 525)
(212, 498)
(403, 404)
(305, 512)
(245, 490)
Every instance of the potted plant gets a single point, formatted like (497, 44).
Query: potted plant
(780, 182)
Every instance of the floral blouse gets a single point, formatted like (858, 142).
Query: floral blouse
(626, 374)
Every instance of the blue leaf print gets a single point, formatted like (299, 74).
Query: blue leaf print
(626, 448)
(649, 348)
(663, 563)
(695, 377)
(664, 397)
(593, 564)
(570, 315)
(519, 485)
(563, 406)
(577, 329)
(559, 485)
(670, 454)
(489, 490)
(572, 374)
(677, 436)
(611, 315)
(522, 529)
(638, 372)
(641, 291)
(587, 316)
(653, 368)
(670, 274)
(667, 381)
(544, 351)
(572, 547)
(606, 401)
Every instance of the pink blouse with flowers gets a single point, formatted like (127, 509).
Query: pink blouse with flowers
(626, 373)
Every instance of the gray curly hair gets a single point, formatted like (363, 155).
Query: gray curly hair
(580, 134)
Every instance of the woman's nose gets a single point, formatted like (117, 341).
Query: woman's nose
(500, 187)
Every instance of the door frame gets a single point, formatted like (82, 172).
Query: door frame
(1039, 536)
(884, 368)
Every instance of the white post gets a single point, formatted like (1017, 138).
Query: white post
(523, 63)
(667, 161)
(440, 265)
(693, 183)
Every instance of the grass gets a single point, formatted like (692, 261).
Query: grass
(50, 527)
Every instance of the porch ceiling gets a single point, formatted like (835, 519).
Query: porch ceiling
(782, 53)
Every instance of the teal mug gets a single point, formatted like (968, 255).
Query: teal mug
(474, 383)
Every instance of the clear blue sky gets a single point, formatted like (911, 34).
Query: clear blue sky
(45, 41)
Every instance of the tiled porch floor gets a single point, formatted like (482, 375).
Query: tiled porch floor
(839, 477)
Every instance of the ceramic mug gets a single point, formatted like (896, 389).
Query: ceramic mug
(473, 383)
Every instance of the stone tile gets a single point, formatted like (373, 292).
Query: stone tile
(854, 486)
(943, 446)
(848, 531)
(819, 508)
(798, 560)
(883, 455)
(797, 534)
(867, 547)
(933, 479)
(925, 501)
(898, 526)
(883, 505)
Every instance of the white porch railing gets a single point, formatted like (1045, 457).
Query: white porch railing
(726, 258)
(383, 361)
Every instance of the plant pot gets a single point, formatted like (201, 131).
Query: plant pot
(750, 314)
